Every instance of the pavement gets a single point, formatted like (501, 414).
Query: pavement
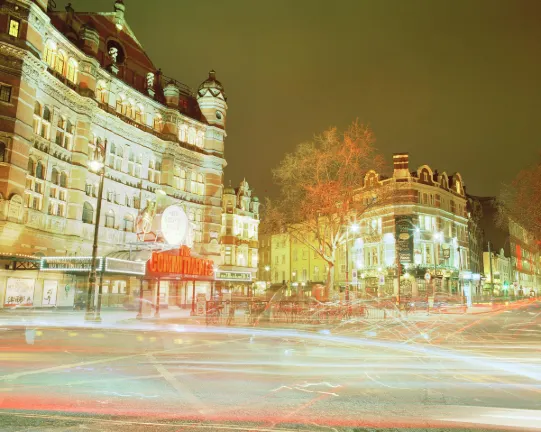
(441, 372)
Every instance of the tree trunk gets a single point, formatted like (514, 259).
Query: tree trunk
(330, 275)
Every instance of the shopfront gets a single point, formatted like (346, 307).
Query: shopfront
(176, 277)
(118, 278)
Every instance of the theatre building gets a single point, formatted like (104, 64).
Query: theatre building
(77, 88)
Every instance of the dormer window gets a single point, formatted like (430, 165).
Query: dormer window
(425, 176)
(458, 187)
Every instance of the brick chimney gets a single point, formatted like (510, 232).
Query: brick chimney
(401, 166)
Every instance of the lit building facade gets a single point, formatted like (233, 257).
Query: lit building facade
(73, 84)
(514, 243)
(239, 238)
(435, 207)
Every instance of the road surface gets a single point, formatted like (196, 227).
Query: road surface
(474, 372)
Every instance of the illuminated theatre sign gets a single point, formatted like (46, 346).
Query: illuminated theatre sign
(179, 262)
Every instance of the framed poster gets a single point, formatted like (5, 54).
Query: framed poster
(50, 288)
(19, 292)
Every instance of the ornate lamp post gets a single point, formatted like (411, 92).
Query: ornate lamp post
(96, 165)
(354, 228)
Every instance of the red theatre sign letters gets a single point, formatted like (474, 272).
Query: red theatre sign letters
(179, 262)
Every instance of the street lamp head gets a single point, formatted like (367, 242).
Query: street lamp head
(267, 268)
(379, 269)
(95, 165)
(161, 192)
(354, 227)
(294, 273)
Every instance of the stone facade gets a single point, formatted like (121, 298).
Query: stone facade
(72, 85)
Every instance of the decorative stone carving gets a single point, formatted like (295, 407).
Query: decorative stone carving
(150, 80)
(113, 53)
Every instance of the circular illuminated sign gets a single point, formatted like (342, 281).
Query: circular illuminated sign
(174, 225)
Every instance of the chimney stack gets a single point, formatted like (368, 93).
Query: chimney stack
(401, 166)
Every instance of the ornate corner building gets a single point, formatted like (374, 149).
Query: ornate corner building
(70, 82)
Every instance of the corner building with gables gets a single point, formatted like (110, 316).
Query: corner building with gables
(76, 87)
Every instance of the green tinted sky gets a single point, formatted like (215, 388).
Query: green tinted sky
(456, 83)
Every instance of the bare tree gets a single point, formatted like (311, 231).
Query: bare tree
(319, 182)
(521, 200)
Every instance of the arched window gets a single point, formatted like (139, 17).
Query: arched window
(88, 213)
(37, 109)
(46, 113)
(55, 177)
(3, 156)
(72, 70)
(49, 54)
(128, 223)
(158, 123)
(120, 105)
(40, 170)
(60, 62)
(101, 92)
(31, 167)
(139, 111)
(110, 219)
(130, 111)
(458, 187)
(63, 179)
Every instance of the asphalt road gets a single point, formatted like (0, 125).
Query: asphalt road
(476, 372)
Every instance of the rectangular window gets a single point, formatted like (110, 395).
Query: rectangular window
(276, 259)
(5, 93)
(283, 259)
(14, 26)
(304, 254)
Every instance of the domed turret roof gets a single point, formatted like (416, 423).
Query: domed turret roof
(212, 84)
(255, 199)
(229, 190)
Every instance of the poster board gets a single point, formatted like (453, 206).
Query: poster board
(50, 290)
(19, 292)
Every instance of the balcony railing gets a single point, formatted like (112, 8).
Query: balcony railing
(166, 137)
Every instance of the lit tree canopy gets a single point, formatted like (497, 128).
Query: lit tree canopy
(318, 183)
(521, 200)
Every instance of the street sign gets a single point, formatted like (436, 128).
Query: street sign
(446, 252)
(427, 276)
(233, 276)
(404, 238)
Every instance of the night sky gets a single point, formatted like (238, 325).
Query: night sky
(456, 83)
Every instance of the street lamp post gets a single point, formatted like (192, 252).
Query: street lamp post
(95, 165)
(436, 238)
(355, 228)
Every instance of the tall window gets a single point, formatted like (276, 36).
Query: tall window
(49, 54)
(128, 223)
(42, 120)
(60, 62)
(88, 213)
(40, 170)
(139, 113)
(5, 93)
(14, 26)
(120, 104)
(182, 133)
(191, 135)
(64, 133)
(3, 157)
(101, 92)
(110, 219)
(72, 70)
(158, 124)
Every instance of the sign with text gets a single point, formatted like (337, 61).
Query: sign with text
(179, 262)
(233, 276)
(404, 239)
(19, 292)
(69, 264)
(114, 265)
